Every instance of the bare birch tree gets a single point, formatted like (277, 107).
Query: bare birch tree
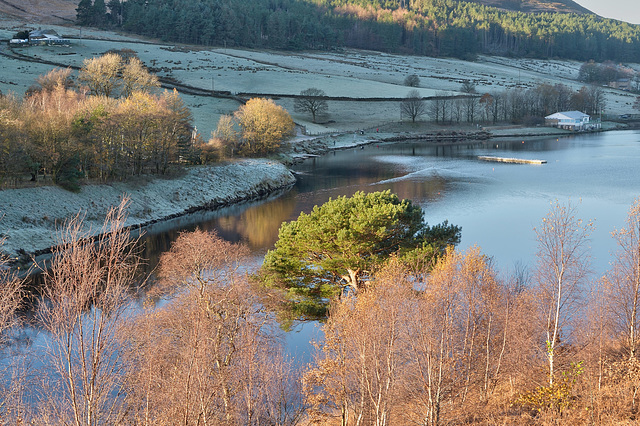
(624, 282)
(359, 370)
(406, 351)
(85, 297)
(620, 327)
(11, 297)
(209, 356)
(458, 337)
(11, 293)
(433, 349)
(562, 270)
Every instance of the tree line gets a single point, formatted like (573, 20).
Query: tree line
(515, 105)
(111, 126)
(112, 123)
(424, 27)
(431, 339)
(608, 72)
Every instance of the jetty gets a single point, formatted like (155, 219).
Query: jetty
(510, 160)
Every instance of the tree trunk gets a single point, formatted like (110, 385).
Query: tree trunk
(352, 279)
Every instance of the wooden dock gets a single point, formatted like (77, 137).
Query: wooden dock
(510, 160)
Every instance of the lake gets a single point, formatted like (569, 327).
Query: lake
(497, 204)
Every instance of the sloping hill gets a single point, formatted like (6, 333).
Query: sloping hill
(40, 11)
(562, 6)
(60, 11)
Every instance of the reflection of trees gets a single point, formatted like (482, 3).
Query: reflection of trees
(427, 189)
(258, 226)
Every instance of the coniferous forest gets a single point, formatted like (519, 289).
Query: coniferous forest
(424, 27)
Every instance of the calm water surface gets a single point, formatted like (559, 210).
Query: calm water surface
(497, 204)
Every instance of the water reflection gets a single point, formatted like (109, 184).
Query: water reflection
(258, 225)
(440, 177)
(496, 204)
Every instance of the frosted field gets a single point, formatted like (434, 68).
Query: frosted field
(351, 74)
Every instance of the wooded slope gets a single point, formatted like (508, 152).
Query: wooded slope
(424, 27)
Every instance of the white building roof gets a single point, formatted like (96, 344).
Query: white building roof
(46, 34)
(564, 115)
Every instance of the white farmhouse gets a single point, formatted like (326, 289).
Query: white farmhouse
(46, 37)
(570, 120)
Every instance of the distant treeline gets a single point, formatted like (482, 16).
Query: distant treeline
(423, 27)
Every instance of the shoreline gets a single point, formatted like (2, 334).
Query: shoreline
(30, 217)
(309, 147)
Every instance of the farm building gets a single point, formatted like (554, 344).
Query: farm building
(570, 120)
(46, 37)
(621, 83)
(40, 37)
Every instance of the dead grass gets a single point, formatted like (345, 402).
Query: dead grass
(41, 11)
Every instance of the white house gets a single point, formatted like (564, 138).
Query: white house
(570, 120)
(47, 37)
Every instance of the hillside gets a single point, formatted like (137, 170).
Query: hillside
(59, 11)
(40, 11)
(536, 6)
(439, 28)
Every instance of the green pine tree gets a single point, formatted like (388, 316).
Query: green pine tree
(84, 12)
(339, 244)
(99, 13)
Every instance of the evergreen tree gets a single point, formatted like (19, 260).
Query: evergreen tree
(115, 12)
(339, 244)
(84, 13)
(99, 13)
